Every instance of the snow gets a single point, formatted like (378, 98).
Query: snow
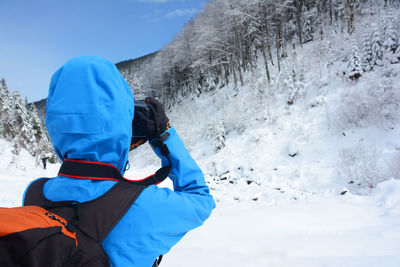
(291, 228)
(350, 231)
(16, 172)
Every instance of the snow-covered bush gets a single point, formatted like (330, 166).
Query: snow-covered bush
(359, 167)
(394, 166)
(376, 105)
(317, 101)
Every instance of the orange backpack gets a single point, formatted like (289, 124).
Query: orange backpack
(65, 233)
(47, 233)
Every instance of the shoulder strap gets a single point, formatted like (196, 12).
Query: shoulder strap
(33, 195)
(95, 218)
(81, 169)
(101, 215)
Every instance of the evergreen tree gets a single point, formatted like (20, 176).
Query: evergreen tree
(354, 67)
(390, 36)
(6, 129)
(291, 86)
(308, 31)
(367, 56)
(20, 121)
(376, 47)
(39, 146)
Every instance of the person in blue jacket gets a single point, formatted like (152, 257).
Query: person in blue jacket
(89, 114)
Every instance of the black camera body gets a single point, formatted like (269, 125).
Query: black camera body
(147, 110)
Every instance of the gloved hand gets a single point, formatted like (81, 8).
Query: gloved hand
(152, 126)
(160, 121)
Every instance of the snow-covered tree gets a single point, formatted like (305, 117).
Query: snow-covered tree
(291, 86)
(21, 122)
(220, 136)
(227, 37)
(40, 146)
(367, 56)
(354, 68)
(390, 36)
(308, 30)
(6, 129)
(376, 46)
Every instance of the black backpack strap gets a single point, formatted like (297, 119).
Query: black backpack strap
(80, 169)
(34, 197)
(101, 215)
(34, 193)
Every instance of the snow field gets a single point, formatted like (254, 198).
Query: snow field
(16, 172)
(319, 231)
(313, 230)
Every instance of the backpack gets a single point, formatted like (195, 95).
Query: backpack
(44, 233)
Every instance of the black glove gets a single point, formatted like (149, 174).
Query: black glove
(160, 120)
(150, 124)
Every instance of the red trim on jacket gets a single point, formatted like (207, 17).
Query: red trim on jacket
(88, 177)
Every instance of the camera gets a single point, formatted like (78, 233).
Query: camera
(147, 110)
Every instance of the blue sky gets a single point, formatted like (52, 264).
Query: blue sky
(38, 36)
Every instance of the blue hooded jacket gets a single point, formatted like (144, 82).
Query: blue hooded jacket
(90, 108)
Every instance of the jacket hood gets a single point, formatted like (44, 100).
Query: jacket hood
(89, 112)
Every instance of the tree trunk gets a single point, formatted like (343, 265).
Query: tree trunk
(266, 26)
(237, 48)
(277, 37)
(238, 54)
(299, 8)
(233, 70)
(350, 26)
(320, 20)
(226, 73)
(263, 43)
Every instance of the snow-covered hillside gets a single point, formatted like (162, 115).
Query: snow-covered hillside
(338, 137)
(311, 183)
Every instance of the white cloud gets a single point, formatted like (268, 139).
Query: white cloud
(181, 12)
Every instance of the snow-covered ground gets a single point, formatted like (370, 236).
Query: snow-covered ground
(16, 172)
(315, 230)
(319, 231)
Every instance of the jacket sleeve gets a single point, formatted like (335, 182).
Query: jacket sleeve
(187, 177)
(190, 204)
